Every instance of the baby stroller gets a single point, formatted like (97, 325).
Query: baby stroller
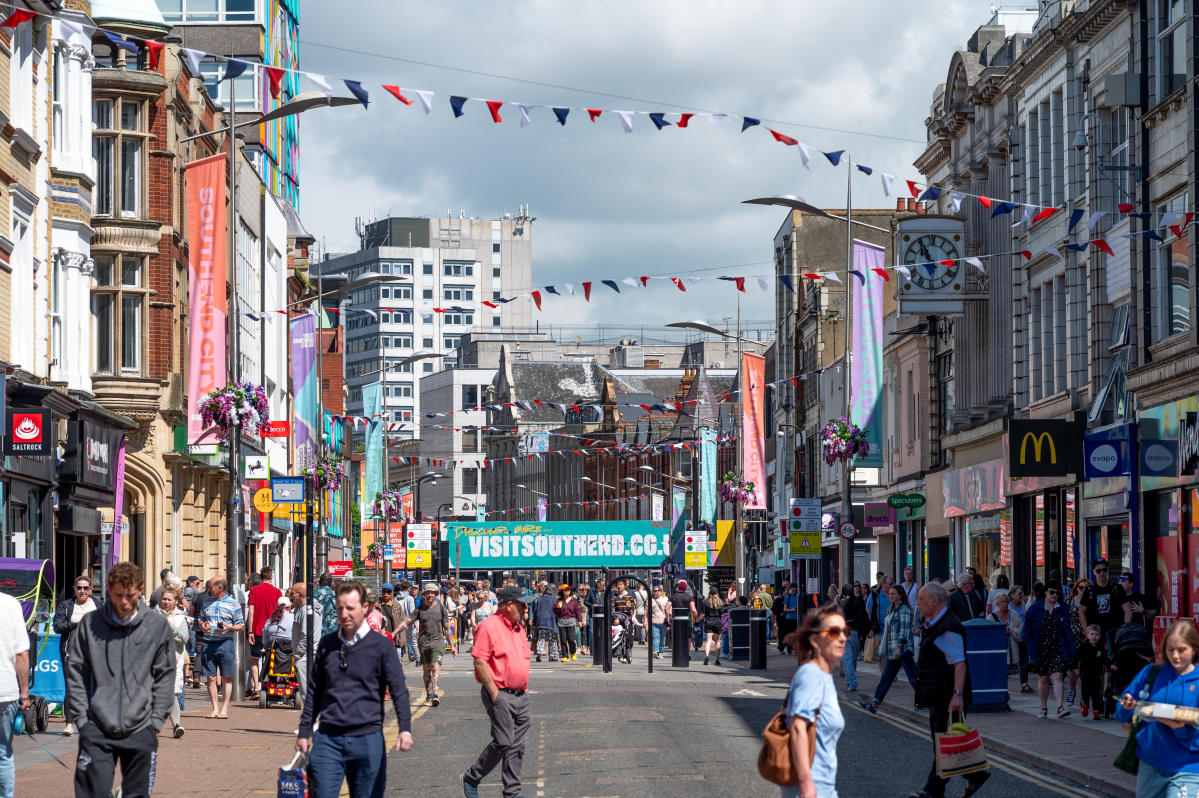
(622, 641)
(279, 681)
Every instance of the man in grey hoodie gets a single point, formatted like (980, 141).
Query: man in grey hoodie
(121, 680)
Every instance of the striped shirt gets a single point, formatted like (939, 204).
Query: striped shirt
(225, 611)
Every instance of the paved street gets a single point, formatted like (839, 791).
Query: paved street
(628, 733)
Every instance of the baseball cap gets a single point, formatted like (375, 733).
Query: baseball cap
(387, 586)
(431, 587)
(509, 594)
(565, 587)
(284, 601)
(681, 584)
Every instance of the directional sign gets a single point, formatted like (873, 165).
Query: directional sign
(287, 490)
(847, 530)
(695, 546)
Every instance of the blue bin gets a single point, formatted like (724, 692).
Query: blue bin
(986, 659)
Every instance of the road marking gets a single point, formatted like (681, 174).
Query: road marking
(391, 733)
(995, 760)
(749, 692)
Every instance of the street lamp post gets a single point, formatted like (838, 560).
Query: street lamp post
(603, 502)
(845, 558)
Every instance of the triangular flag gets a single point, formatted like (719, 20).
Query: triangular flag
(154, 49)
(16, 18)
(955, 202)
(805, 154)
(274, 76)
(716, 119)
(536, 298)
(1124, 207)
(984, 201)
(561, 113)
(740, 281)
(1025, 217)
(976, 263)
(494, 107)
(1102, 246)
(861, 277)
(321, 83)
(356, 89)
(678, 283)
(1075, 217)
(684, 119)
(1027, 254)
(570, 288)
(394, 91)
(1002, 208)
(626, 120)
(1094, 218)
(193, 59)
(866, 170)
(611, 284)
(587, 290)
(234, 69)
(748, 122)
(887, 181)
(930, 194)
(784, 139)
(659, 120)
(524, 114)
(116, 39)
(913, 189)
(881, 273)
(833, 276)
(549, 289)
(594, 113)
(629, 281)
(1168, 218)
(456, 103)
(644, 281)
(1045, 214)
(834, 157)
(904, 270)
(426, 100)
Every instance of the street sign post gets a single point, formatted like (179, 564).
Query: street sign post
(287, 490)
(847, 530)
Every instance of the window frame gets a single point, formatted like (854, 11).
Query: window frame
(116, 136)
(1164, 38)
(117, 293)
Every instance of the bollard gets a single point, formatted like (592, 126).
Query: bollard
(600, 639)
(739, 633)
(680, 650)
(758, 620)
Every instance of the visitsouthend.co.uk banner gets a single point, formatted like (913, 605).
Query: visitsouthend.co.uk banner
(559, 544)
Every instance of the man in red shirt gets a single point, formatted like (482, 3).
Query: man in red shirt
(501, 654)
(260, 604)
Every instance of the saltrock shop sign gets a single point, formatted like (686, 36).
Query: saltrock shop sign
(28, 433)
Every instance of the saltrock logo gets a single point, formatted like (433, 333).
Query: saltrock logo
(97, 454)
(1104, 458)
(28, 433)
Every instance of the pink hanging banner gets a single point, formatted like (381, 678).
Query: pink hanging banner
(207, 267)
(753, 450)
(118, 506)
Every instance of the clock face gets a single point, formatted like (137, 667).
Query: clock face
(932, 248)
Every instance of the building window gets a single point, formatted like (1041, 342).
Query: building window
(427, 293)
(458, 269)
(118, 309)
(495, 247)
(1171, 58)
(246, 90)
(427, 343)
(495, 271)
(943, 398)
(428, 367)
(470, 441)
(58, 79)
(1114, 129)
(21, 78)
(207, 10)
(470, 397)
(460, 319)
(427, 268)
(1171, 277)
(495, 321)
(912, 404)
(470, 480)
(459, 292)
(451, 341)
(118, 147)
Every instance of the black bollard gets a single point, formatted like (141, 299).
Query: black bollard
(680, 651)
(757, 638)
(600, 639)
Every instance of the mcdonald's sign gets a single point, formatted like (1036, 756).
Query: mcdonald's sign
(1044, 448)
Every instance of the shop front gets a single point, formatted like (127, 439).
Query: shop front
(909, 531)
(977, 507)
(1109, 511)
(1170, 505)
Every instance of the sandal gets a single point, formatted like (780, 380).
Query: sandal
(213, 715)
(1024, 688)
(223, 716)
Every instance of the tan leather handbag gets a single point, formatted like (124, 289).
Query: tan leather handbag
(774, 760)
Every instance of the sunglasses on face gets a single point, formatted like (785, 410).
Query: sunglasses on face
(1125, 579)
(83, 587)
(1051, 592)
(833, 632)
(1101, 570)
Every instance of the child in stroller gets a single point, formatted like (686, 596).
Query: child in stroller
(622, 642)
(279, 678)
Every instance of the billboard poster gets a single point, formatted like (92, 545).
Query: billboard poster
(866, 361)
(206, 278)
(303, 384)
(753, 450)
(335, 436)
(974, 489)
(558, 544)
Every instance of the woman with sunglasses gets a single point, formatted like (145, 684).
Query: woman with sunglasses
(1050, 645)
(819, 644)
(67, 616)
(1077, 633)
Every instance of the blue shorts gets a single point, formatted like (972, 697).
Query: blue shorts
(218, 658)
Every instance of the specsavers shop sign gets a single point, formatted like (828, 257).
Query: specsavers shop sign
(559, 544)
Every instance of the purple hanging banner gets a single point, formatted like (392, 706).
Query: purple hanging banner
(303, 385)
(118, 506)
(866, 362)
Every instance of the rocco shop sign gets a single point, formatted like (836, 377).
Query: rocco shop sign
(559, 544)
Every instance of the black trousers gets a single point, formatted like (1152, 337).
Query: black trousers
(938, 723)
(96, 765)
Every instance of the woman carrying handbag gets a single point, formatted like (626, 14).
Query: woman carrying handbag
(803, 761)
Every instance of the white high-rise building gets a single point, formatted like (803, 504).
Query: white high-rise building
(452, 263)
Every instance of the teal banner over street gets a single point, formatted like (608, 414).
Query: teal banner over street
(559, 544)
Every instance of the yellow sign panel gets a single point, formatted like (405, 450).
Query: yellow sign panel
(805, 545)
(263, 502)
(419, 559)
(696, 560)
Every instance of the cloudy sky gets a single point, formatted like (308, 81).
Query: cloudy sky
(857, 76)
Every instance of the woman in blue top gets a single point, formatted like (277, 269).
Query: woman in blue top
(819, 644)
(1168, 749)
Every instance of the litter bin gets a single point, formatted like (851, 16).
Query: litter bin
(986, 660)
(600, 640)
(680, 648)
(759, 620)
(739, 633)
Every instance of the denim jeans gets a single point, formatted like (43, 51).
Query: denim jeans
(849, 661)
(724, 644)
(8, 772)
(1151, 781)
(891, 670)
(659, 637)
(361, 761)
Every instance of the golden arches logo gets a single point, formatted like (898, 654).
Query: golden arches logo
(1038, 440)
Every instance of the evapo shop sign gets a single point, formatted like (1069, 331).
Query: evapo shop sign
(559, 544)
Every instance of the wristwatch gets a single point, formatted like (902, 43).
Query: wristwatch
(957, 692)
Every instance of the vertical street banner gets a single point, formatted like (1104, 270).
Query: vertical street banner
(406, 504)
(678, 523)
(206, 270)
(866, 363)
(753, 432)
(707, 477)
(303, 386)
(334, 429)
(118, 506)
(372, 408)
(542, 507)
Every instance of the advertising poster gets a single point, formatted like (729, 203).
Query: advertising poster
(559, 544)
(1171, 579)
(208, 306)
(866, 361)
(1039, 531)
(1005, 540)
(753, 451)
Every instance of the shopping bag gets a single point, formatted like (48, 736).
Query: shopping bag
(958, 751)
(293, 781)
(870, 653)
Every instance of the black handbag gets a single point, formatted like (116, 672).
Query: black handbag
(1127, 759)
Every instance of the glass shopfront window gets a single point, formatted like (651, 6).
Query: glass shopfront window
(990, 554)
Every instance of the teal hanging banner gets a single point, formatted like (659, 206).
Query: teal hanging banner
(372, 408)
(559, 544)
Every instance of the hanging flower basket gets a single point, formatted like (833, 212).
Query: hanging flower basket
(388, 506)
(241, 404)
(733, 489)
(327, 473)
(843, 440)
(373, 552)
